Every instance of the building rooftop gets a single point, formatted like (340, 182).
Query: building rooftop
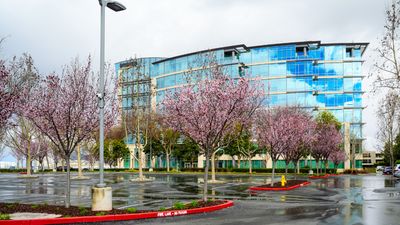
(362, 45)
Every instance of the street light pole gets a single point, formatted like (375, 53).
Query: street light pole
(101, 94)
(102, 195)
(115, 6)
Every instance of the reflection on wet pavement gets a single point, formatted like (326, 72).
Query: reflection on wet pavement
(337, 200)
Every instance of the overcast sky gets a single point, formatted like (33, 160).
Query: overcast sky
(55, 31)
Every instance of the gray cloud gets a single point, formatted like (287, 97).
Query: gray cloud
(56, 31)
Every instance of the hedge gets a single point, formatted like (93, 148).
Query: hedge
(239, 170)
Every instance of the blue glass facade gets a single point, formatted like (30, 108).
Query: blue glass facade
(313, 75)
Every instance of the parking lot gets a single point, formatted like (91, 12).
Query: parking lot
(363, 199)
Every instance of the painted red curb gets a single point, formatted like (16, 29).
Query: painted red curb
(319, 177)
(279, 189)
(136, 216)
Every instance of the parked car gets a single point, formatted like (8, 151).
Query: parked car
(387, 170)
(397, 174)
(397, 168)
(379, 168)
(60, 168)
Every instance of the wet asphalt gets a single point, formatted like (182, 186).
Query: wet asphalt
(363, 199)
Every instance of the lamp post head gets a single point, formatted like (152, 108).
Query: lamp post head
(114, 5)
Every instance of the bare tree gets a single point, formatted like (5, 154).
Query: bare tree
(136, 85)
(90, 153)
(387, 65)
(19, 139)
(169, 138)
(2, 150)
(388, 114)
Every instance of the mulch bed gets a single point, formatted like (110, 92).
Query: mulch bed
(289, 183)
(319, 176)
(73, 211)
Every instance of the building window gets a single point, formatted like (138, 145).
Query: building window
(366, 155)
(229, 53)
(349, 52)
(301, 51)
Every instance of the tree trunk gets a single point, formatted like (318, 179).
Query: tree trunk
(213, 167)
(160, 162)
(140, 153)
(233, 162)
(353, 166)
(28, 160)
(153, 162)
(273, 173)
(47, 161)
(68, 188)
(286, 168)
(298, 166)
(62, 165)
(320, 167)
(250, 166)
(167, 161)
(205, 189)
(326, 165)
(238, 166)
(317, 161)
(79, 161)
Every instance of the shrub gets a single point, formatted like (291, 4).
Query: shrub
(162, 209)
(179, 205)
(34, 206)
(131, 210)
(100, 213)
(83, 210)
(194, 203)
(4, 216)
(355, 171)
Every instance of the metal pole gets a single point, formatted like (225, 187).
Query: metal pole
(101, 95)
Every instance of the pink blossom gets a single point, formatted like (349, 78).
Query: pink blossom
(208, 110)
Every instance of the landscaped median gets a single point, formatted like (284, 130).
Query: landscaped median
(178, 210)
(290, 185)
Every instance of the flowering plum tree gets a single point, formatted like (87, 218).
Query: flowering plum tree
(16, 81)
(337, 157)
(64, 109)
(328, 139)
(274, 132)
(7, 98)
(301, 128)
(40, 149)
(209, 109)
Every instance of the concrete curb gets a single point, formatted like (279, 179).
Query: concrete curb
(279, 189)
(120, 217)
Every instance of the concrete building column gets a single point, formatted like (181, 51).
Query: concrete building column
(347, 145)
